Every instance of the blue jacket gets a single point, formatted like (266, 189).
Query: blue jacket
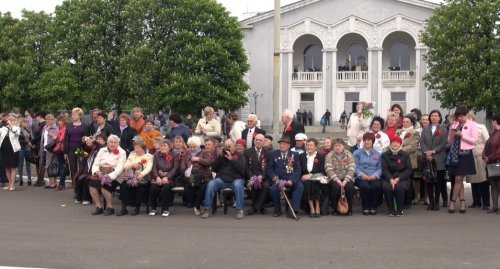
(368, 164)
(277, 166)
(181, 130)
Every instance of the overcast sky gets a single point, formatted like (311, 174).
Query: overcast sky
(236, 7)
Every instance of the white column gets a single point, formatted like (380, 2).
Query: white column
(337, 105)
(381, 110)
(289, 55)
(417, 93)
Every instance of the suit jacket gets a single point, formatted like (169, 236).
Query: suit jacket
(256, 165)
(397, 165)
(436, 142)
(318, 165)
(293, 129)
(126, 138)
(278, 167)
(244, 134)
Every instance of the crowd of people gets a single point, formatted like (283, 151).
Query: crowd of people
(406, 159)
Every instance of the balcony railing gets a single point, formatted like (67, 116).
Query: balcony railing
(398, 76)
(352, 76)
(307, 76)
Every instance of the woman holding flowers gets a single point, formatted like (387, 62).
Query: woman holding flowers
(75, 131)
(359, 122)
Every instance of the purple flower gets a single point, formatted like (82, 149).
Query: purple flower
(132, 182)
(255, 182)
(106, 180)
(371, 106)
(282, 184)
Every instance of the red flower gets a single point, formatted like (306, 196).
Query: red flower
(116, 151)
(439, 133)
(289, 128)
(144, 161)
(465, 127)
(235, 157)
(168, 158)
(377, 136)
(151, 135)
(375, 158)
(345, 162)
(254, 134)
(408, 134)
(398, 161)
(316, 160)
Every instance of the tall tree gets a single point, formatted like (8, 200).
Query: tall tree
(464, 54)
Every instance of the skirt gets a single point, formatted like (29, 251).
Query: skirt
(10, 159)
(312, 190)
(465, 165)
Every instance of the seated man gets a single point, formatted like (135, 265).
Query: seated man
(284, 169)
(300, 143)
(256, 165)
(229, 169)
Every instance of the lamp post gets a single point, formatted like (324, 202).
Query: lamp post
(255, 96)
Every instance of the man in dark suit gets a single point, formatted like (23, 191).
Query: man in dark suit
(291, 127)
(256, 164)
(251, 131)
(284, 170)
(35, 142)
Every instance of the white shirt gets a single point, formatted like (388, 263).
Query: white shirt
(249, 137)
(310, 161)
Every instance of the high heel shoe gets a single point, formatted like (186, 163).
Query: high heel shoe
(462, 211)
(452, 202)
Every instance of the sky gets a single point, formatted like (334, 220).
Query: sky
(236, 7)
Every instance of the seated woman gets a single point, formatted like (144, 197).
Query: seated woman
(107, 167)
(165, 167)
(340, 169)
(135, 186)
(327, 146)
(87, 157)
(179, 148)
(313, 170)
(195, 166)
(396, 173)
(368, 174)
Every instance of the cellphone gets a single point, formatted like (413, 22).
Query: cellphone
(454, 130)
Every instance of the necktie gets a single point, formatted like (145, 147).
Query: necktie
(283, 155)
(258, 153)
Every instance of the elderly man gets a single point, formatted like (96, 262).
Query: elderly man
(300, 143)
(292, 128)
(257, 159)
(251, 131)
(229, 169)
(284, 170)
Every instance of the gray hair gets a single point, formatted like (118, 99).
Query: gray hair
(114, 138)
(253, 116)
(288, 113)
(194, 141)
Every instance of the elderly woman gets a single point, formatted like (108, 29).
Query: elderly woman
(411, 138)
(340, 168)
(165, 167)
(381, 139)
(9, 150)
(149, 133)
(327, 146)
(462, 137)
(126, 133)
(135, 186)
(91, 148)
(106, 169)
(73, 139)
(368, 174)
(208, 126)
(358, 124)
(480, 186)
(137, 122)
(491, 154)
(49, 135)
(396, 173)
(313, 170)
(195, 165)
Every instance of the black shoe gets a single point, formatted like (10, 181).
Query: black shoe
(366, 212)
(109, 212)
(445, 204)
(349, 213)
(29, 182)
(263, 211)
(435, 208)
(39, 183)
(277, 214)
(311, 215)
(335, 213)
(486, 207)
(317, 215)
(122, 212)
(251, 212)
(474, 206)
(21, 182)
(290, 215)
(98, 211)
(134, 211)
(190, 206)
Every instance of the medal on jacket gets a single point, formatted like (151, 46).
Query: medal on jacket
(289, 166)
(263, 163)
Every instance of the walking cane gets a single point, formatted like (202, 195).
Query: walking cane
(289, 205)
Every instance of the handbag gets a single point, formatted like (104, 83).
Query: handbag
(195, 180)
(50, 146)
(33, 157)
(430, 174)
(342, 205)
(59, 148)
(53, 170)
(493, 171)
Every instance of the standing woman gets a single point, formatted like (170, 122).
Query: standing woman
(411, 138)
(479, 185)
(208, 126)
(397, 110)
(491, 154)
(358, 124)
(60, 153)
(433, 145)
(148, 134)
(313, 167)
(9, 149)
(425, 121)
(391, 126)
(462, 137)
(49, 134)
(75, 131)
(24, 141)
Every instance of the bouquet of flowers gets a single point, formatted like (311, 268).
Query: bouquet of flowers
(80, 153)
(282, 185)
(106, 180)
(368, 110)
(255, 181)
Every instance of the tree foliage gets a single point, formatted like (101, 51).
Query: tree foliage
(180, 54)
(463, 37)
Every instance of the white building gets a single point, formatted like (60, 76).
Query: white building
(318, 37)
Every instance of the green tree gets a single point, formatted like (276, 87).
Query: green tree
(464, 54)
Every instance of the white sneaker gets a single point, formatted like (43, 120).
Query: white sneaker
(152, 213)
(85, 203)
(77, 202)
(165, 213)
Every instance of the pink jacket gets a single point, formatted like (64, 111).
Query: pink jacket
(470, 135)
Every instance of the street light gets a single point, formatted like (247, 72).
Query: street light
(255, 96)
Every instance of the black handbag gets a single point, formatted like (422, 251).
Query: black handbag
(429, 173)
(33, 157)
(493, 171)
(50, 146)
(53, 170)
(195, 180)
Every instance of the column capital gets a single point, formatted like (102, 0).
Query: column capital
(329, 50)
(286, 51)
(375, 49)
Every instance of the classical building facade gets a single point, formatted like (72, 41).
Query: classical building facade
(336, 53)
